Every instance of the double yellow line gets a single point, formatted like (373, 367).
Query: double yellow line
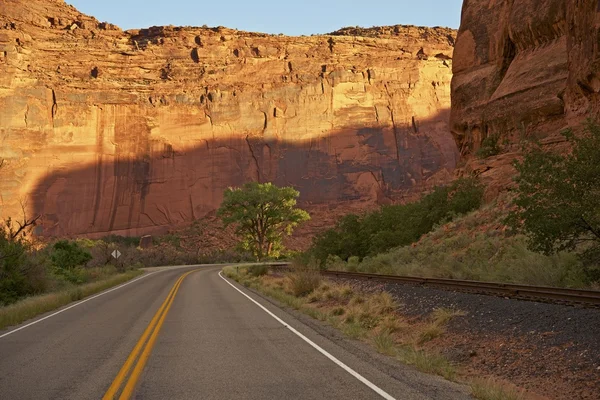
(143, 346)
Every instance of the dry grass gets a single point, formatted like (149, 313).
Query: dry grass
(372, 317)
(384, 342)
(303, 281)
(437, 326)
(33, 306)
(489, 389)
(429, 332)
(441, 316)
(429, 362)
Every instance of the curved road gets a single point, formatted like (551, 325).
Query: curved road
(215, 343)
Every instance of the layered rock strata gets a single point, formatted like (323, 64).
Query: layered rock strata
(524, 67)
(105, 130)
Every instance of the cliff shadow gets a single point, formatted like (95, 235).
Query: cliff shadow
(161, 185)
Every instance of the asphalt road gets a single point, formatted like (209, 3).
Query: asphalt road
(214, 343)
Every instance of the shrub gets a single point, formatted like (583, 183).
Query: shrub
(68, 258)
(356, 237)
(484, 251)
(259, 270)
(489, 147)
(304, 280)
(13, 281)
(557, 198)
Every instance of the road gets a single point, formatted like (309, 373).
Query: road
(214, 343)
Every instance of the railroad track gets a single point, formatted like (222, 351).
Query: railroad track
(587, 298)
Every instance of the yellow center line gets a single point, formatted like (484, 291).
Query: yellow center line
(151, 331)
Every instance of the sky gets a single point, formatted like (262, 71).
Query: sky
(304, 17)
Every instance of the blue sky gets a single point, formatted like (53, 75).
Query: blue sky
(302, 17)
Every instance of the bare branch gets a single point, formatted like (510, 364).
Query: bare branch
(23, 226)
(590, 228)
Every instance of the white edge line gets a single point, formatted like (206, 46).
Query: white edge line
(76, 304)
(352, 372)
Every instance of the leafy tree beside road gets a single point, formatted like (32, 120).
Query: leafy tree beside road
(262, 213)
(558, 198)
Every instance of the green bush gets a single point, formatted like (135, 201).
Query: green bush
(68, 260)
(489, 147)
(13, 281)
(396, 225)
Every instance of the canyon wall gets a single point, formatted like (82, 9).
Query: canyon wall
(131, 132)
(523, 68)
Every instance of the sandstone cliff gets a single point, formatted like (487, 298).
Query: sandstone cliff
(524, 67)
(128, 132)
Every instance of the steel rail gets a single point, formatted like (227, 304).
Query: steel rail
(511, 290)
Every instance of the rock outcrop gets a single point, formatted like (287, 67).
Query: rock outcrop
(524, 67)
(130, 132)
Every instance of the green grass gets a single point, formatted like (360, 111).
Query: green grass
(429, 362)
(384, 342)
(36, 305)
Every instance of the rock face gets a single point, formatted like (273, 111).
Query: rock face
(523, 67)
(130, 132)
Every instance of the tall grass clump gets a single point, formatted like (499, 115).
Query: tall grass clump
(304, 280)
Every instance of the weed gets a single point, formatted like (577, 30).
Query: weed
(427, 362)
(489, 147)
(489, 389)
(429, 332)
(382, 303)
(338, 311)
(384, 342)
(356, 300)
(441, 316)
(354, 330)
(259, 270)
(304, 281)
(393, 324)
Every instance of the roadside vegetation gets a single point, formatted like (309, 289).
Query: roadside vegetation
(546, 231)
(373, 317)
(35, 305)
(557, 202)
(360, 236)
(262, 214)
(477, 246)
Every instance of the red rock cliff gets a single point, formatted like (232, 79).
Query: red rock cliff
(524, 67)
(128, 132)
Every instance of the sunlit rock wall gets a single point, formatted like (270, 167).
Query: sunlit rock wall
(131, 132)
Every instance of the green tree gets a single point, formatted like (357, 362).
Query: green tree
(558, 195)
(262, 213)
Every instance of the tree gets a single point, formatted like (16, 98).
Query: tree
(557, 204)
(262, 213)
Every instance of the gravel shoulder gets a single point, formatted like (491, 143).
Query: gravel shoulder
(551, 350)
